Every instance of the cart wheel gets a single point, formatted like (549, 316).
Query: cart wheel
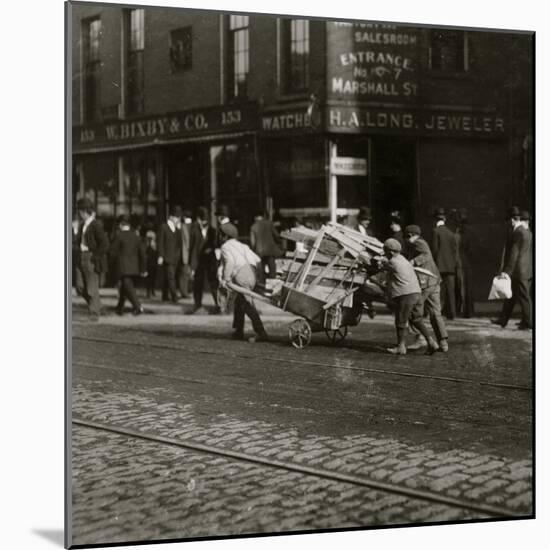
(299, 333)
(338, 335)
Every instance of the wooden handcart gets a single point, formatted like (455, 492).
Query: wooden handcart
(319, 285)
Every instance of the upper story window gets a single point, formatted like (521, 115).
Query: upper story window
(135, 67)
(297, 54)
(448, 51)
(181, 49)
(238, 56)
(92, 65)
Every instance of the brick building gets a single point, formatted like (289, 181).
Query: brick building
(198, 107)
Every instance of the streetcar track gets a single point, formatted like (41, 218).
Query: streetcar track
(286, 360)
(418, 494)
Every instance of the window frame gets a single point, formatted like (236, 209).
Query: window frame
(134, 56)
(462, 66)
(238, 42)
(187, 64)
(291, 44)
(91, 68)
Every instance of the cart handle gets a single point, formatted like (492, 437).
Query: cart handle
(248, 292)
(340, 299)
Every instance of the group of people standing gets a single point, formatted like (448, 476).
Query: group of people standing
(184, 255)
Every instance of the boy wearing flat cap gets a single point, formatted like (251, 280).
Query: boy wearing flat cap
(238, 265)
(419, 254)
(404, 292)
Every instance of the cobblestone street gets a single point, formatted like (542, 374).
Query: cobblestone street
(180, 432)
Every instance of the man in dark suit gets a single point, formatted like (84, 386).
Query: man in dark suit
(466, 244)
(92, 261)
(202, 258)
(364, 219)
(128, 254)
(265, 242)
(184, 268)
(418, 252)
(169, 252)
(445, 253)
(396, 222)
(518, 265)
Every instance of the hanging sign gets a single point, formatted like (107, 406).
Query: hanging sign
(348, 166)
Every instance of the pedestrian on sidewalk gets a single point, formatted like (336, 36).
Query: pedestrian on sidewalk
(151, 260)
(518, 265)
(169, 250)
(365, 219)
(445, 254)
(265, 242)
(404, 293)
(418, 252)
(465, 275)
(202, 258)
(184, 269)
(396, 222)
(92, 262)
(128, 255)
(239, 266)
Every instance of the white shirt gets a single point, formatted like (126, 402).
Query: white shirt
(171, 225)
(439, 223)
(83, 247)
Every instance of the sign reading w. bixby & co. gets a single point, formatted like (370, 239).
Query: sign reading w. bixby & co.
(166, 127)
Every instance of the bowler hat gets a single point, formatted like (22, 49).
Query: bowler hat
(524, 215)
(364, 213)
(222, 210)
(513, 212)
(393, 245)
(175, 210)
(413, 230)
(84, 204)
(124, 219)
(439, 212)
(230, 230)
(202, 213)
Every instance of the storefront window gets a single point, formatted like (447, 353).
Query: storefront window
(236, 181)
(138, 192)
(98, 177)
(296, 173)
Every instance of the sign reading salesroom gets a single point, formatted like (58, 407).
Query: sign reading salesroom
(157, 129)
(372, 61)
(362, 120)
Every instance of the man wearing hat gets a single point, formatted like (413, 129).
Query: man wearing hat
(364, 218)
(445, 253)
(419, 254)
(518, 265)
(395, 227)
(404, 292)
(239, 266)
(184, 269)
(265, 242)
(128, 254)
(92, 244)
(466, 240)
(202, 258)
(169, 252)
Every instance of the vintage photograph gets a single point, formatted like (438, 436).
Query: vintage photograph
(301, 274)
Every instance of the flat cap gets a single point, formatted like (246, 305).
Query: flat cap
(413, 230)
(392, 244)
(230, 230)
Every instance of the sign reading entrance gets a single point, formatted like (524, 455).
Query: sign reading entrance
(348, 166)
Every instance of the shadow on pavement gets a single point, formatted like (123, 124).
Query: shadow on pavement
(53, 535)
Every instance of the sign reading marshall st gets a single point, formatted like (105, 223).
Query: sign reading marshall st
(360, 120)
(169, 126)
